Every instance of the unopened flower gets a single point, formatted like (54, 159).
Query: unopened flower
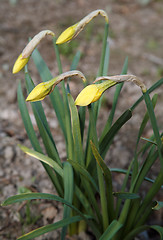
(41, 91)
(75, 29)
(123, 78)
(92, 93)
(45, 88)
(20, 63)
(26, 53)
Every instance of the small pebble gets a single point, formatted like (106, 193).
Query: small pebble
(9, 153)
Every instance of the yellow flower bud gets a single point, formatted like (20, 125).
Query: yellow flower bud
(45, 88)
(92, 93)
(67, 34)
(41, 91)
(88, 95)
(123, 78)
(20, 63)
(27, 51)
(75, 29)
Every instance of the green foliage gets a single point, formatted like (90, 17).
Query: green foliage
(84, 182)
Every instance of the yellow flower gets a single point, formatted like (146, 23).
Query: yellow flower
(92, 93)
(41, 91)
(27, 51)
(20, 63)
(75, 29)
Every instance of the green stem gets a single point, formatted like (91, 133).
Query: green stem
(57, 56)
(101, 68)
(69, 139)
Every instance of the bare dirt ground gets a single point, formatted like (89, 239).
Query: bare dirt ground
(136, 31)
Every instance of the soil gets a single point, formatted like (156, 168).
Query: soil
(135, 31)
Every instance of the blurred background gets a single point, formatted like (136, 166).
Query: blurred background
(136, 31)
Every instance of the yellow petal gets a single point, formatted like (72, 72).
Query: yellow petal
(41, 91)
(20, 63)
(88, 95)
(67, 34)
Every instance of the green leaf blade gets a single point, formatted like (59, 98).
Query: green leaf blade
(68, 179)
(107, 140)
(51, 227)
(111, 231)
(79, 156)
(43, 158)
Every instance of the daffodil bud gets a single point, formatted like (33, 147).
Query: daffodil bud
(67, 35)
(26, 53)
(45, 88)
(92, 93)
(20, 63)
(124, 78)
(75, 29)
(41, 91)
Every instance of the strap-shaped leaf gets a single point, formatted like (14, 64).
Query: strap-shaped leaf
(140, 229)
(108, 181)
(154, 125)
(126, 195)
(84, 201)
(79, 156)
(43, 158)
(107, 140)
(79, 168)
(32, 136)
(149, 161)
(42, 123)
(75, 61)
(141, 129)
(26, 120)
(135, 186)
(34, 196)
(68, 179)
(150, 195)
(120, 170)
(51, 227)
(82, 111)
(145, 120)
(111, 231)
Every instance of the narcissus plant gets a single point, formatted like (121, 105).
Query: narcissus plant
(79, 173)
